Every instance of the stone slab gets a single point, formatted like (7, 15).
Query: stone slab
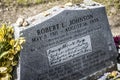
(71, 45)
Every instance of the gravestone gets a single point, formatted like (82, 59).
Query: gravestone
(70, 43)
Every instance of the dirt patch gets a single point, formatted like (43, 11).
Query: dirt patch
(10, 14)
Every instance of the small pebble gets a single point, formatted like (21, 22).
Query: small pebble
(19, 21)
(46, 14)
(69, 4)
(33, 20)
(89, 2)
(78, 5)
(61, 6)
(25, 23)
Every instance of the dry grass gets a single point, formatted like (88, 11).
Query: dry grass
(8, 3)
(10, 10)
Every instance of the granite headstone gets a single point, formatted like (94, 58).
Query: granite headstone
(69, 44)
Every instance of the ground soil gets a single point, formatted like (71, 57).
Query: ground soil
(10, 14)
